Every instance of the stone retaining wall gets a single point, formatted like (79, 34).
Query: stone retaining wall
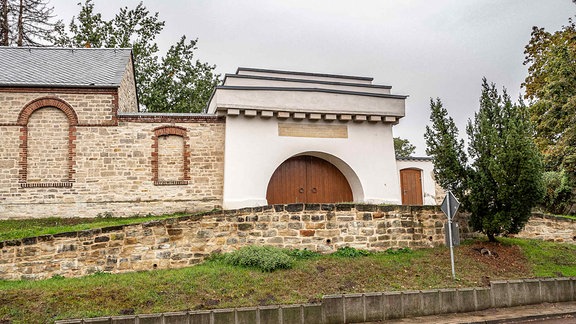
(184, 241)
(372, 307)
(550, 228)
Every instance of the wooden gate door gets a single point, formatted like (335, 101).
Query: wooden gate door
(307, 179)
(411, 186)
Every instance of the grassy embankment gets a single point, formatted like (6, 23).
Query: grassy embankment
(216, 284)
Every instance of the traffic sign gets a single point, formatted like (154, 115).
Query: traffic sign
(450, 205)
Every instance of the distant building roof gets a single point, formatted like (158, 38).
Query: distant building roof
(414, 158)
(62, 67)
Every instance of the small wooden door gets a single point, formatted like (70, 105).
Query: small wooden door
(411, 186)
(307, 179)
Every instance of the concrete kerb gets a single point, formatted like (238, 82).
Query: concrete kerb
(357, 308)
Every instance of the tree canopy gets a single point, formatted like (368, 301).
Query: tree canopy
(172, 83)
(504, 178)
(551, 88)
(403, 147)
(26, 22)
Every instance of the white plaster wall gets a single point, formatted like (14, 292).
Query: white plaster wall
(254, 151)
(302, 101)
(428, 183)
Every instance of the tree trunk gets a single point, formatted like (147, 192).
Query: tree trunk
(20, 26)
(491, 237)
(4, 31)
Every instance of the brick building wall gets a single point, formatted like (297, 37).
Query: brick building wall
(67, 152)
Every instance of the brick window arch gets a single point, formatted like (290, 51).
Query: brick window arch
(170, 156)
(47, 148)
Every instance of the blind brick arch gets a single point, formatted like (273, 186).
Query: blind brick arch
(170, 156)
(47, 120)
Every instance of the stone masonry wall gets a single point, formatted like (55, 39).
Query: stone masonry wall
(550, 228)
(93, 107)
(188, 240)
(93, 161)
(127, 91)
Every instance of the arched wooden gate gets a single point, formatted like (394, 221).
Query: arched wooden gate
(308, 179)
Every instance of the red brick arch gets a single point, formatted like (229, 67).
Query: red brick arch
(43, 102)
(23, 118)
(166, 131)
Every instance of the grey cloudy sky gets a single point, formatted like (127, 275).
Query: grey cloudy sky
(422, 48)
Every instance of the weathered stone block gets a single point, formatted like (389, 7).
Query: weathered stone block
(548, 290)
(311, 313)
(373, 307)
(431, 302)
(500, 294)
(269, 314)
(448, 301)
(291, 314)
(393, 306)
(246, 315)
(564, 289)
(483, 298)
(223, 316)
(176, 318)
(199, 317)
(466, 300)
(412, 303)
(354, 308)
(517, 292)
(532, 291)
(333, 309)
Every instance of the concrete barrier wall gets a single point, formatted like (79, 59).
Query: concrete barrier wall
(359, 308)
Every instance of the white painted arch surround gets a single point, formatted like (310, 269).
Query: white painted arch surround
(254, 150)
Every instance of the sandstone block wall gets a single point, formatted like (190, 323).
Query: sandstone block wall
(550, 228)
(188, 240)
(70, 154)
(127, 91)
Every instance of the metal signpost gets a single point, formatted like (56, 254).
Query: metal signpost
(449, 206)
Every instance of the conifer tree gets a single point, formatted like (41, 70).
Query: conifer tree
(505, 178)
(446, 151)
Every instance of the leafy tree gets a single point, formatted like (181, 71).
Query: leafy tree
(26, 22)
(173, 83)
(505, 178)
(551, 88)
(403, 147)
(447, 151)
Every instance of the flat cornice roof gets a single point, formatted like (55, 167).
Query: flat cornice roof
(348, 84)
(336, 76)
(355, 93)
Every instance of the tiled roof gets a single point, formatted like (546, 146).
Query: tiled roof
(62, 67)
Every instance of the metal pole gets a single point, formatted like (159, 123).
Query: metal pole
(450, 235)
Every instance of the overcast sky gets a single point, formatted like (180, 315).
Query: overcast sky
(422, 48)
